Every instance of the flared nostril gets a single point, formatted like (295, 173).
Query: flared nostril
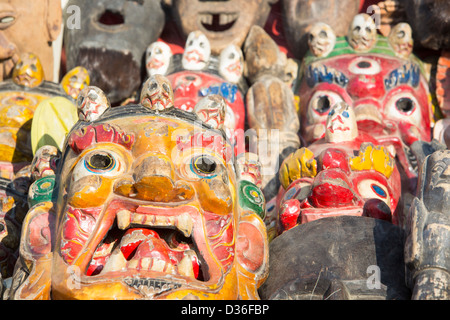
(378, 209)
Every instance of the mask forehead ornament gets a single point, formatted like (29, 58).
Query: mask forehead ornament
(196, 52)
(321, 39)
(92, 103)
(157, 93)
(362, 34)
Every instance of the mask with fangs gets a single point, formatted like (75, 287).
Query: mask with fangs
(147, 205)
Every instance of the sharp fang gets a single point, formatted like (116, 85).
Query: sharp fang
(185, 267)
(146, 263)
(158, 265)
(185, 224)
(116, 262)
(123, 219)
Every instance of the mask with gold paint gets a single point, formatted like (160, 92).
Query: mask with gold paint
(149, 207)
(74, 81)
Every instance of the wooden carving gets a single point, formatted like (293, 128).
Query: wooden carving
(222, 22)
(154, 210)
(20, 98)
(112, 41)
(17, 37)
(300, 15)
(383, 81)
(426, 248)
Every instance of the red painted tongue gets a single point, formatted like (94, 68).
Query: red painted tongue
(141, 243)
(138, 235)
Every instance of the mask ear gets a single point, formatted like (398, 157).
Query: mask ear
(54, 19)
(32, 273)
(252, 253)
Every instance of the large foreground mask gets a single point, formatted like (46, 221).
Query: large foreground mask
(149, 206)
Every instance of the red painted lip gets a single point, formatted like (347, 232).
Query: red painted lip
(155, 64)
(194, 55)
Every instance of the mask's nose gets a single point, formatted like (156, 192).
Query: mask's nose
(154, 180)
(367, 114)
(378, 209)
(331, 188)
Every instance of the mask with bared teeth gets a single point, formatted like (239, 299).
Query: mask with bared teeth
(149, 207)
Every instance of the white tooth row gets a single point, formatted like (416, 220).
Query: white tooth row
(206, 18)
(183, 222)
(224, 18)
(117, 262)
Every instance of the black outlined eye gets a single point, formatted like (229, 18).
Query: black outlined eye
(322, 101)
(99, 162)
(204, 166)
(405, 105)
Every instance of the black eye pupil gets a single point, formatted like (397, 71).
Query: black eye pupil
(153, 86)
(323, 104)
(100, 161)
(205, 165)
(404, 104)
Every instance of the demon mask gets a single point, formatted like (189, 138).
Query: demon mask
(149, 206)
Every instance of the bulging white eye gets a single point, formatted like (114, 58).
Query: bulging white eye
(372, 189)
(99, 162)
(201, 166)
(320, 105)
(404, 106)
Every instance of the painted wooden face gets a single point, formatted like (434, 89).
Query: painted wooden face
(17, 37)
(190, 87)
(389, 95)
(339, 183)
(112, 41)
(149, 209)
(223, 22)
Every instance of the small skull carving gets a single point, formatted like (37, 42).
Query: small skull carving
(197, 51)
(362, 34)
(321, 40)
(211, 110)
(157, 93)
(91, 103)
(341, 124)
(75, 80)
(401, 40)
(231, 63)
(158, 56)
(43, 164)
(28, 72)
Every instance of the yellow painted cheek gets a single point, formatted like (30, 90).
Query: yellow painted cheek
(215, 197)
(90, 191)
